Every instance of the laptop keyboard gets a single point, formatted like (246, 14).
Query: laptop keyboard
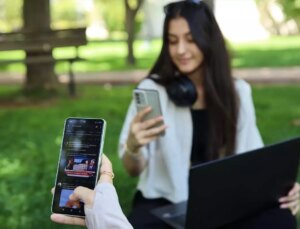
(173, 214)
(179, 220)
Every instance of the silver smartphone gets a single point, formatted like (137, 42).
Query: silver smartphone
(147, 97)
(79, 161)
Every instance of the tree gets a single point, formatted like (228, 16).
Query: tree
(39, 77)
(291, 9)
(289, 23)
(131, 9)
(114, 19)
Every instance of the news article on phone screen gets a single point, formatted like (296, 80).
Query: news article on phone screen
(78, 163)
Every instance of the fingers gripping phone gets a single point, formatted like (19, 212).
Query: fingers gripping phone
(147, 97)
(79, 160)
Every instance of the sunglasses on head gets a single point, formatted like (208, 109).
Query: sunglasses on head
(169, 7)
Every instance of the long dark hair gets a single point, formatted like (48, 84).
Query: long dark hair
(220, 97)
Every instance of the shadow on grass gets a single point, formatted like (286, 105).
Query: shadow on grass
(19, 98)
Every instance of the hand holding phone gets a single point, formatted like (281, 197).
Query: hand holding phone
(86, 195)
(146, 97)
(79, 162)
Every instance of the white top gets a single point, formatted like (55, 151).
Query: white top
(168, 158)
(106, 211)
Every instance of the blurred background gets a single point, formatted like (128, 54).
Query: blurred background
(82, 58)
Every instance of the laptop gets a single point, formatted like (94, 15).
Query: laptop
(230, 189)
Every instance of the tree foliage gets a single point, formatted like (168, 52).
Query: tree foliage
(291, 8)
(68, 13)
(113, 13)
(10, 17)
(289, 24)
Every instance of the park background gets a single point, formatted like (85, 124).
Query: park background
(32, 121)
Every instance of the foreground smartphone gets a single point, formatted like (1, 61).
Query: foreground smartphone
(147, 97)
(79, 161)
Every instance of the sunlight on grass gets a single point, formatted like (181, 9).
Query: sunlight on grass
(12, 55)
(275, 52)
(10, 167)
(237, 62)
(274, 43)
(111, 55)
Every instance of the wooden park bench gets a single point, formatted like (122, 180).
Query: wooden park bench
(44, 42)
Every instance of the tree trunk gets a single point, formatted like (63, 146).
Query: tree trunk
(130, 14)
(39, 77)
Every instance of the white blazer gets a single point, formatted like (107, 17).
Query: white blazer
(168, 158)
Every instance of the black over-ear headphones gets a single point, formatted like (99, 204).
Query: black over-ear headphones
(182, 91)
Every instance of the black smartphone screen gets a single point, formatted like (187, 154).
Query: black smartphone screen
(78, 163)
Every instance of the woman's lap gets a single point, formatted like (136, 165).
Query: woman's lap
(141, 218)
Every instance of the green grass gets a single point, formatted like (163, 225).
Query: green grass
(110, 55)
(31, 135)
(278, 111)
(30, 139)
(275, 52)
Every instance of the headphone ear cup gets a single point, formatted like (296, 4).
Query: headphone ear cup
(182, 91)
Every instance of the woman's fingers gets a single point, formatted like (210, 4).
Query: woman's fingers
(151, 123)
(143, 132)
(295, 189)
(293, 194)
(155, 131)
(295, 210)
(149, 127)
(146, 136)
(84, 194)
(293, 206)
(138, 123)
(106, 170)
(106, 164)
(141, 114)
(291, 201)
(289, 198)
(63, 219)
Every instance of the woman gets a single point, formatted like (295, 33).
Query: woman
(208, 114)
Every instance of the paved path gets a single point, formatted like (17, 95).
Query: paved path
(288, 75)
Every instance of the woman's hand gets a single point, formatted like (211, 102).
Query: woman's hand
(291, 201)
(85, 195)
(143, 132)
(78, 192)
(106, 170)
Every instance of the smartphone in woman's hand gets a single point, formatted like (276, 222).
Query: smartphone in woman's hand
(79, 161)
(147, 97)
